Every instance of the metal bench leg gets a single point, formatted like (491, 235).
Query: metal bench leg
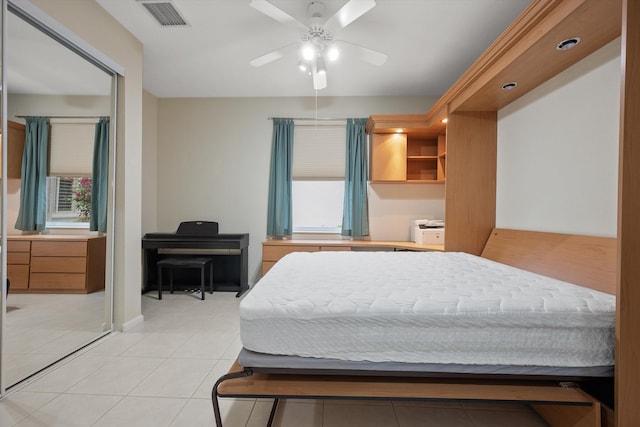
(202, 283)
(211, 277)
(171, 280)
(159, 282)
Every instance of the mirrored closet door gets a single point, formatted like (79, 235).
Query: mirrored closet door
(57, 260)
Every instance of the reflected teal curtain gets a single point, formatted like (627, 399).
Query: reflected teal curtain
(355, 215)
(279, 219)
(33, 187)
(100, 174)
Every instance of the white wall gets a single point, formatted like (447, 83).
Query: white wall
(393, 206)
(213, 164)
(149, 163)
(558, 151)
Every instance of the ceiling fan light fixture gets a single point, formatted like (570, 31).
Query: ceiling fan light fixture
(320, 65)
(308, 52)
(316, 44)
(333, 53)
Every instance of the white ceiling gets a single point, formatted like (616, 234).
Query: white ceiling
(429, 44)
(37, 64)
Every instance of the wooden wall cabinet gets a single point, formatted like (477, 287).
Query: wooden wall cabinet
(406, 150)
(15, 148)
(426, 156)
(56, 264)
(388, 157)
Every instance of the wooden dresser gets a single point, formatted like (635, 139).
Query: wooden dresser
(273, 250)
(56, 263)
(18, 260)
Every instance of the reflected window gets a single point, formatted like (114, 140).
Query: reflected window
(70, 168)
(68, 201)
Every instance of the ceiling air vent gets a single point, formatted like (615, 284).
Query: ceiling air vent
(164, 12)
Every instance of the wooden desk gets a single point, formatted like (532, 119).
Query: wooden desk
(273, 250)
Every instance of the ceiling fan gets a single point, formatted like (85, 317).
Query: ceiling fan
(317, 41)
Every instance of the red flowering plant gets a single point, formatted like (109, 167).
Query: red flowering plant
(81, 190)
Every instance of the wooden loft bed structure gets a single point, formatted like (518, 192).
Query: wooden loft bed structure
(526, 53)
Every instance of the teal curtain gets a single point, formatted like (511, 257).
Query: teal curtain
(100, 175)
(279, 219)
(355, 215)
(33, 187)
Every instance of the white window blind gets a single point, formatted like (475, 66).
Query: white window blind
(71, 149)
(319, 152)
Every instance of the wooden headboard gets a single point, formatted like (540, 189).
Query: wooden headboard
(584, 260)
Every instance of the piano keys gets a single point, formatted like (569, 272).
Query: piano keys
(229, 253)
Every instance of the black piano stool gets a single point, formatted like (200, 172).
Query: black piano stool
(171, 263)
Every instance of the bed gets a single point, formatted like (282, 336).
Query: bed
(405, 332)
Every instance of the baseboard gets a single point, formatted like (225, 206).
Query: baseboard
(134, 323)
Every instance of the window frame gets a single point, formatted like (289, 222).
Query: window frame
(326, 169)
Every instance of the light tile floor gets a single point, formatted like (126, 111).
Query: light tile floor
(162, 374)
(42, 328)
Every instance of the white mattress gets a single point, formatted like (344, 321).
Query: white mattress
(424, 307)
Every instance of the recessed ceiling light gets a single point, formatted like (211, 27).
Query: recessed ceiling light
(568, 43)
(508, 86)
(399, 130)
(444, 120)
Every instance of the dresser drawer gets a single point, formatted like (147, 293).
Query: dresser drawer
(57, 281)
(18, 245)
(56, 248)
(18, 258)
(19, 276)
(275, 252)
(54, 264)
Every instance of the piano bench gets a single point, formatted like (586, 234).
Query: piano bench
(171, 263)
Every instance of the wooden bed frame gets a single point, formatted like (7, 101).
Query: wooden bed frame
(584, 260)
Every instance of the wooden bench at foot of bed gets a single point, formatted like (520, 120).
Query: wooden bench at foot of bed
(559, 404)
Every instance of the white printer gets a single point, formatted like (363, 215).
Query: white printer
(427, 231)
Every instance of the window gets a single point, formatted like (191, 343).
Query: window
(70, 168)
(59, 195)
(318, 178)
(68, 201)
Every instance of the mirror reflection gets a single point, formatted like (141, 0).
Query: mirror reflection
(58, 108)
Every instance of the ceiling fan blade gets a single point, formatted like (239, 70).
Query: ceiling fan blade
(276, 13)
(272, 56)
(319, 79)
(351, 11)
(371, 56)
